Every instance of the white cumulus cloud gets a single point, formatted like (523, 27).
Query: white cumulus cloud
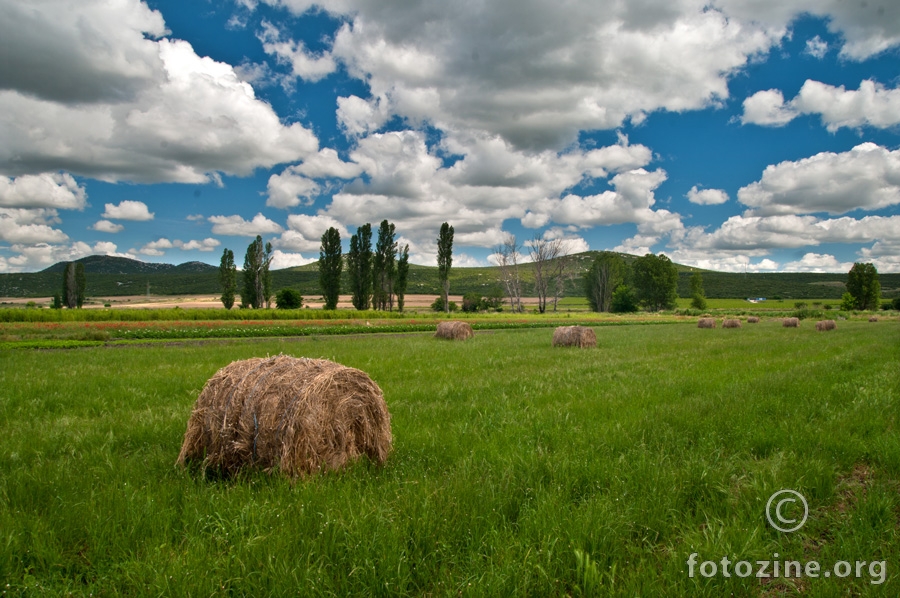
(236, 226)
(45, 190)
(866, 177)
(128, 210)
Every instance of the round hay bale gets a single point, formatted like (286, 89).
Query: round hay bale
(823, 325)
(873, 318)
(295, 414)
(706, 323)
(731, 323)
(454, 331)
(574, 336)
(791, 322)
(752, 320)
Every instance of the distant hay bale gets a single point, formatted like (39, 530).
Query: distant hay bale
(823, 325)
(454, 331)
(706, 323)
(574, 336)
(731, 323)
(297, 415)
(791, 322)
(753, 320)
(873, 318)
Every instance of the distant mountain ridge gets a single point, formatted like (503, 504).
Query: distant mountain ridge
(108, 264)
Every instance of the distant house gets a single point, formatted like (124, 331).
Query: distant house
(756, 299)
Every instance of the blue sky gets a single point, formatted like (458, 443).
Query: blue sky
(737, 135)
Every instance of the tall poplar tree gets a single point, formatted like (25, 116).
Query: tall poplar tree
(257, 286)
(228, 278)
(385, 266)
(402, 277)
(444, 261)
(330, 266)
(359, 266)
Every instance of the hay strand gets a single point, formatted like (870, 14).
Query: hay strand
(706, 323)
(574, 336)
(455, 331)
(791, 322)
(295, 414)
(731, 323)
(823, 325)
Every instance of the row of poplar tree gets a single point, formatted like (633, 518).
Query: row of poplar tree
(377, 277)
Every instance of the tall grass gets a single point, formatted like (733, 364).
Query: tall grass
(519, 469)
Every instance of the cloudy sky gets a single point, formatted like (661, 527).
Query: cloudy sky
(738, 135)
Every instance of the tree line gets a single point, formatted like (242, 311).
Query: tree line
(378, 278)
(651, 282)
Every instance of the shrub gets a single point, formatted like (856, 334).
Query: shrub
(288, 299)
(848, 303)
(698, 302)
(472, 302)
(438, 305)
(623, 300)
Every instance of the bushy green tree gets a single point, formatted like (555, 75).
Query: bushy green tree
(896, 303)
(257, 281)
(330, 266)
(445, 261)
(698, 296)
(606, 273)
(228, 278)
(655, 282)
(863, 285)
(288, 299)
(359, 266)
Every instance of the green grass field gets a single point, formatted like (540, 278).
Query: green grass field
(518, 469)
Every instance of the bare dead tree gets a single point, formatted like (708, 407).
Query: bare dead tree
(507, 256)
(543, 252)
(563, 272)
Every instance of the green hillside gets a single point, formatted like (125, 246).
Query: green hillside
(114, 276)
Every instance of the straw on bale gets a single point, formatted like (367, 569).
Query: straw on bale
(822, 325)
(731, 323)
(295, 414)
(873, 319)
(706, 323)
(752, 320)
(454, 331)
(791, 322)
(574, 336)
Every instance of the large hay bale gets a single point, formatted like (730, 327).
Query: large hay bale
(823, 325)
(791, 322)
(873, 318)
(731, 323)
(455, 331)
(752, 320)
(295, 414)
(706, 323)
(574, 336)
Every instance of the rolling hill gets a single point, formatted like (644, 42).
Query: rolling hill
(116, 276)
